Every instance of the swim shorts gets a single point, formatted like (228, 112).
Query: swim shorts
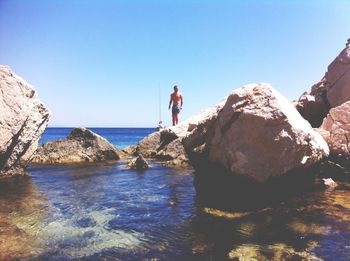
(176, 109)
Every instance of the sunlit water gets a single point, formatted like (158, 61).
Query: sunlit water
(108, 212)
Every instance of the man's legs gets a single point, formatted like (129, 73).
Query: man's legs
(173, 116)
(175, 119)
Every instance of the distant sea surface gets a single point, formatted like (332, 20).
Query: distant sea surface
(119, 137)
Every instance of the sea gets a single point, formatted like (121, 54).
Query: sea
(105, 211)
(119, 137)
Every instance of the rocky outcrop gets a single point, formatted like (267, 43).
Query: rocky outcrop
(336, 130)
(258, 134)
(138, 163)
(23, 118)
(82, 145)
(332, 91)
(167, 144)
(338, 78)
(254, 132)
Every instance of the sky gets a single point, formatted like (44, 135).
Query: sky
(114, 63)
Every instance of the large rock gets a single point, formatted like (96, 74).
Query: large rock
(23, 118)
(258, 134)
(336, 130)
(82, 145)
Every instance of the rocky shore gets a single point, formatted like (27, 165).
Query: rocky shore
(254, 136)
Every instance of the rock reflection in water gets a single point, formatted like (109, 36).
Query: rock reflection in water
(315, 226)
(22, 213)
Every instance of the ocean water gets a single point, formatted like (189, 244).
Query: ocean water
(119, 137)
(108, 212)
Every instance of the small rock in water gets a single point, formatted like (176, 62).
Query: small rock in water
(329, 183)
(139, 163)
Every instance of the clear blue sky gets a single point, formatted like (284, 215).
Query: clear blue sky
(101, 63)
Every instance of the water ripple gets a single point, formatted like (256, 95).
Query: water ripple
(107, 212)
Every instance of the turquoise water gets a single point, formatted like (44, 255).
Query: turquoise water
(108, 212)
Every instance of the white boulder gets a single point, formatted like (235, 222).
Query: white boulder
(259, 134)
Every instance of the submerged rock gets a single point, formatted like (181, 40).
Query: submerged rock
(258, 134)
(23, 118)
(82, 145)
(329, 182)
(138, 163)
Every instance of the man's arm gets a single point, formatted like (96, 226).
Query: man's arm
(182, 100)
(171, 100)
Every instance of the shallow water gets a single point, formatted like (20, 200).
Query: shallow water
(107, 212)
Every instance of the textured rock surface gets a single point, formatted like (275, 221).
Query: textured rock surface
(82, 145)
(338, 78)
(30, 152)
(23, 118)
(149, 145)
(173, 153)
(258, 134)
(336, 130)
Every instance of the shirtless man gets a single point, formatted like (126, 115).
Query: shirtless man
(177, 101)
